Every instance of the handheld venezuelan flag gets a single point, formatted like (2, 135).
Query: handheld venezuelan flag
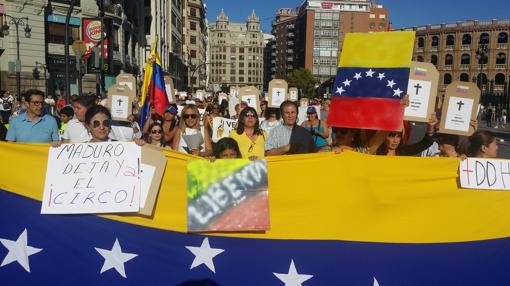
(372, 78)
(153, 89)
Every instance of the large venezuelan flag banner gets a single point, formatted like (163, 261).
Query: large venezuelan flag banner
(348, 219)
(372, 78)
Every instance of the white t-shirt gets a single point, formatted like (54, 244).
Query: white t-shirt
(76, 132)
(125, 133)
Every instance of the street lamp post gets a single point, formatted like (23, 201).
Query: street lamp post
(17, 21)
(482, 55)
(38, 64)
(66, 49)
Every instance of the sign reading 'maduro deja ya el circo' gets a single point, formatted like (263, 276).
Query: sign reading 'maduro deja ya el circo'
(92, 34)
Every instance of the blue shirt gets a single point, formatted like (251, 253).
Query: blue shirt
(22, 129)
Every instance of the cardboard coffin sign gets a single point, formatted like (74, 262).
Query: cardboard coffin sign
(422, 91)
(277, 92)
(120, 102)
(460, 106)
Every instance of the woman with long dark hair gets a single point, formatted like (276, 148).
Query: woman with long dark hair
(155, 135)
(482, 144)
(249, 136)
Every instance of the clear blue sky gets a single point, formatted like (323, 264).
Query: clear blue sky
(403, 13)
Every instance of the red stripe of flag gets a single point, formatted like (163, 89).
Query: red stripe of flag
(366, 113)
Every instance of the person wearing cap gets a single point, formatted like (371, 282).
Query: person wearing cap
(318, 128)
(169, 124)
(289, 138)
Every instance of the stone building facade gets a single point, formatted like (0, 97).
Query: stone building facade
(467, 51)
(236, 52)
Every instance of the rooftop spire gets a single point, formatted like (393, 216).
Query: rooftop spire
(222, 16)
(253, 17)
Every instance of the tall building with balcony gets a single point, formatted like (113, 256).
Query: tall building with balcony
(283, 28)
(467, 51)
(195, 42)
(45, 51)
(321, 27)
(236, 52)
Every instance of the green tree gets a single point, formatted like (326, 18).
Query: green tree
(303, 80)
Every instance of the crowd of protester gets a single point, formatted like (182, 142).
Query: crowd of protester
(267, 132)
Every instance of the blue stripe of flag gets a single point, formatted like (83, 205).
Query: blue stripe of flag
(69, 256)
(388, 83)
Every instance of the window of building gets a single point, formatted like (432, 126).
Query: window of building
(484, 39)
(192, 11)
(465, 59)
(464, 77)
(448, 60)
(466, 39)
(435, 41)
(499, 79)
(450, 40)
(241, 50)
(372, 16)
(419, 58)
(447, 78)
(241, 65)
(193, 54)
(56, 33)
(232, 79)
(433, 59)
(241, 57)
(482, 78)
(193, 40)
(192, 26)
(421, 42)
(502, 38)
(241, 79)
(382, 16)
(501, 59)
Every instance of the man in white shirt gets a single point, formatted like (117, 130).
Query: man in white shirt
(75, 131)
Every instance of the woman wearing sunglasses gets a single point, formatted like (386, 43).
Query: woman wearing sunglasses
(98, 121)
(155, 135)
(319, 129)
(393, 145)
(190, 137)
(249, 136)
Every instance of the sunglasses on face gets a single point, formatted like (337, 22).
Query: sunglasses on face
(250, 115)
(156, 131)
(37, 102)
(106, 123)
(188, 116)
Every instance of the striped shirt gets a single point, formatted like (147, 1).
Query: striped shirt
(278, 136)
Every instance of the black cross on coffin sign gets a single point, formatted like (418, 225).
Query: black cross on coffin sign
(418, 86)
(460, 104)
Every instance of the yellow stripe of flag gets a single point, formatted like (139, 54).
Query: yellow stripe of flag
(377, 50)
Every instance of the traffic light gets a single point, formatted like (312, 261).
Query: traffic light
(36, 73)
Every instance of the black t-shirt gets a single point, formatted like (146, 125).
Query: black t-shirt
(301, 141)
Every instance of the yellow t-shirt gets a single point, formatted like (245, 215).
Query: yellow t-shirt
(245, 145)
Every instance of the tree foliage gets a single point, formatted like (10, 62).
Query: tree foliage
(303, 79)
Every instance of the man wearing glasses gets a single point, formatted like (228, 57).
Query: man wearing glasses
(32, 126)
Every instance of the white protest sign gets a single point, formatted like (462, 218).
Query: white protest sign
(459, 113)
(278, 96)
(179, 109)
(183, 95)
(169, 93)
(222, 127)
(120, 106)
(485, 174)
(293, 94)
(250, 99)
(419, 98)
(202, 114)
(92, 178)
